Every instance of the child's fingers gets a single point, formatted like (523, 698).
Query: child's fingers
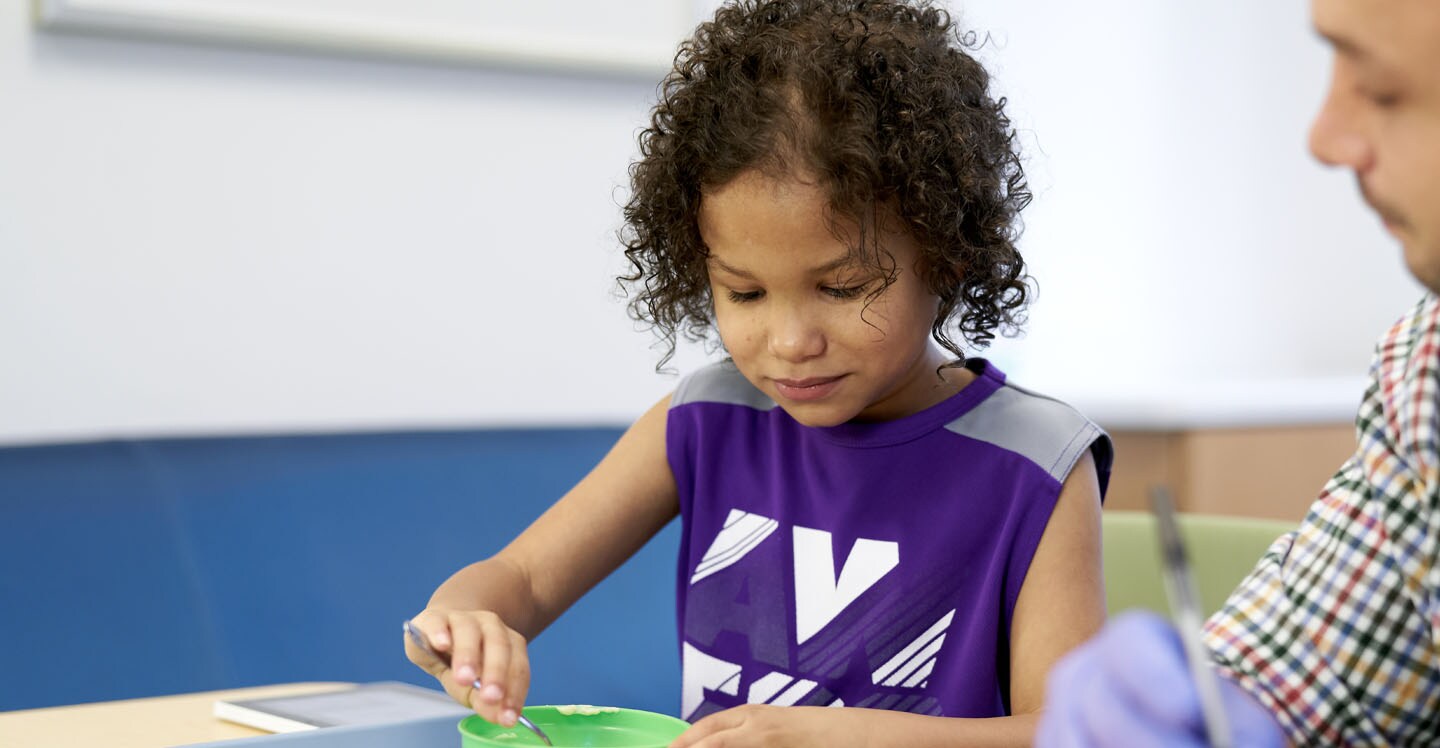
(518, 685)
(428, 625)
(481, 648)
(439, 634)
(462, 693)
(435, 626)
(466, 639)
(481, 653)
(714, 724)
(495, 668)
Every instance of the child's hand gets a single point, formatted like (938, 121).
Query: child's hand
(480, 648)
(790, 726)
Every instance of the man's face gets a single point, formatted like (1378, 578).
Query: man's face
(1381, 117)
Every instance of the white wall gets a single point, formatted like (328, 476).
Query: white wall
(1194, 261)
(198, 239)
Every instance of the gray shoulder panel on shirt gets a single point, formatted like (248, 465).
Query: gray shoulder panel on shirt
(720, 382)
(1044, 430)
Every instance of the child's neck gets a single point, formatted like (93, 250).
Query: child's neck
(933, 383)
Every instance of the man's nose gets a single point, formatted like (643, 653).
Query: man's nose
(1335, 140)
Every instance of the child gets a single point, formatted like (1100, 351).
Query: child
(869, 519)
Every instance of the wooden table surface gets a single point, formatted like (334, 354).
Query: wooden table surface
(139, 723)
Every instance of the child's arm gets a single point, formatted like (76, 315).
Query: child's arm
(1062, 601)
(1061, 604)
(485, 613)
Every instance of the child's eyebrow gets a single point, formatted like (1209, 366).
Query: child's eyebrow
(831, 266)
(717, 262)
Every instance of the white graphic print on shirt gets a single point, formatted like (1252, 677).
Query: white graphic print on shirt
(736, 592)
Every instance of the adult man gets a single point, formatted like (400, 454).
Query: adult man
(1332, 639)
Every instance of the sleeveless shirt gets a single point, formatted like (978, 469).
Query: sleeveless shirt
(865, 564)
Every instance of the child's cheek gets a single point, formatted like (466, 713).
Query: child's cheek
(734, 333)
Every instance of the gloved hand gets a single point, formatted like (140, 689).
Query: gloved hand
(1130, 686)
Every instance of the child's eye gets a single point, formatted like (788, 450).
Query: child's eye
(844, 292)
(740, 297)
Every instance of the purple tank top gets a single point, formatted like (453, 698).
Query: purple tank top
(869, 565)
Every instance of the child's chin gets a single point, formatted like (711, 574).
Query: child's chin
(818, 416)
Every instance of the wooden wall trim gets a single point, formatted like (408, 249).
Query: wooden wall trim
(1271, 472)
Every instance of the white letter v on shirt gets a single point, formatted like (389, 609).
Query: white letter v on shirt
(819, 594)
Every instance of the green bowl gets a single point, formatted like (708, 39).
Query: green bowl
(577, 726)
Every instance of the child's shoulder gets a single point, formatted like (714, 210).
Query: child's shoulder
(1049, 432)
(719, 382)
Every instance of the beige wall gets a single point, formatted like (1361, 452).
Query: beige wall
(1273, 472)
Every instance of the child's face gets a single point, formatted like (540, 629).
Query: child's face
(793, 308)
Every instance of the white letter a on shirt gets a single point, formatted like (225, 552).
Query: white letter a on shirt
(819, 594)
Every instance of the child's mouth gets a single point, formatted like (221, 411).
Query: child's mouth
(810, 388)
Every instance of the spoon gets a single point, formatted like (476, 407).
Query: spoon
(418, 637)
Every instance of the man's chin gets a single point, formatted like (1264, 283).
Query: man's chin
(1422, 259)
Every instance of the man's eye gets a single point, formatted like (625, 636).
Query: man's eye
(1380, 97)
(1385, 100)
(740, 297)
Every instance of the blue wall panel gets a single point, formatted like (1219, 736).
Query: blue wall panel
(159, 566)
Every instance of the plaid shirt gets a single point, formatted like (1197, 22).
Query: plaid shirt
(1335, 629)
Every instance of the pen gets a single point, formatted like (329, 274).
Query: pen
(1185, 607)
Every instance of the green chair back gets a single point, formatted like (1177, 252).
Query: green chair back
(1222, 550)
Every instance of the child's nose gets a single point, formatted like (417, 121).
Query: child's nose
(796, 336)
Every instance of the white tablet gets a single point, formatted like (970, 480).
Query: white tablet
(366, 704)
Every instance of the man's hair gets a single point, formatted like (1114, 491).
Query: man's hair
(880, 103)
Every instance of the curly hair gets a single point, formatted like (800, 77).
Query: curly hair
(881, 102)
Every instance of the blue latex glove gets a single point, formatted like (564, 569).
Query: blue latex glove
(1130, 686)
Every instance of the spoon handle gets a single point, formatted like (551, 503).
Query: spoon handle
(532, 727)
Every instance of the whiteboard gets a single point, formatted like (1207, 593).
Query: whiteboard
(636, 37)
